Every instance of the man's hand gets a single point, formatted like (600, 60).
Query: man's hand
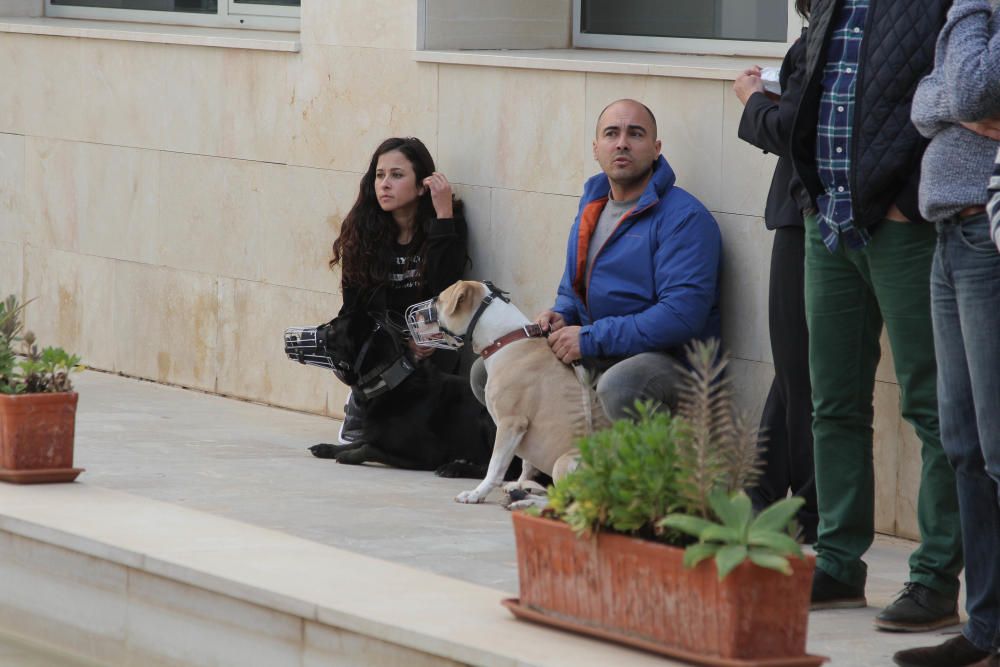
(419, 352)
(747, 84)
(989, 128)
(440, 195)
(550, 321)
(565, 343)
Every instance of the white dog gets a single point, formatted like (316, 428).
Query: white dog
(539, 406)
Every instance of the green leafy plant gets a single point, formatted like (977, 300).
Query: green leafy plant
(740, 536)
(626, 480)
(37, 371)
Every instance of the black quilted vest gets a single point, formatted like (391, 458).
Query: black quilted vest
(896, 53)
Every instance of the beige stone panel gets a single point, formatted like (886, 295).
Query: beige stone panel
(301, 210)
(100, 200)
(327, 646)
(347, 100)
(171, 623)
(746, 170)
(209, 215)
(529, 236)
(498, 24)
(746, 252)
(11, 187)
(160, 96)
(63, 599)
(166, 325)
(11, 267)
(385, 25)
(483, 254)
(689, 118)
(908, 480)
(74, 303)
(886, 455)
(257, 101)
(751, 381)
(252, 361)
(513, 129)
(42, 86)
(53, 186)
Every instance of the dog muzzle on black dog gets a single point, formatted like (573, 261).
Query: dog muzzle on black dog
(427, 331)
(309, 346)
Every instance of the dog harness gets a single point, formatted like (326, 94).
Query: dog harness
(387, 376)
(527, 331)
(308, 345)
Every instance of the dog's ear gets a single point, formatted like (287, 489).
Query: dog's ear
(461, 292)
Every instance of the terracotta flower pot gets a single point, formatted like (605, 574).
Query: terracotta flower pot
(639, 593)
(36, 438)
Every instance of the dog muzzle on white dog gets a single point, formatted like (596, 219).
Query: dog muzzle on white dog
(427, 331)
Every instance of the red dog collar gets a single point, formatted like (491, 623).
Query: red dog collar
(527, 331)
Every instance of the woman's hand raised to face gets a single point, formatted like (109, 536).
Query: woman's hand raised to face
(440, 194)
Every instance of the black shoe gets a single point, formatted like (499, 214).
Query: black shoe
(919, 609)
(956, 652)
(828, 593)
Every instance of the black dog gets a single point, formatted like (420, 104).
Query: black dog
(415, 416)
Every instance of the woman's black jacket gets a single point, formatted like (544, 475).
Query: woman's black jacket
(768, 125)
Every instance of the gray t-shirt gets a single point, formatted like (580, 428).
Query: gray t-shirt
(606, 224)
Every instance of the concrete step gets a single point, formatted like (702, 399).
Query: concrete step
(123, 580)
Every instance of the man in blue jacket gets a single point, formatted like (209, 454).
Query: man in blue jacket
(642, 268)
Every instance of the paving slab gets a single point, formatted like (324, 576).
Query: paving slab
(250, 463)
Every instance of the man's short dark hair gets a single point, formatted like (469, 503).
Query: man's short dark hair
(626, 99)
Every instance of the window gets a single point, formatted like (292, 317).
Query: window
(728, 27)
(261, 14)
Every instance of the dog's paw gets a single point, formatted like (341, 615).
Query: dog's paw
(527, 486)
(541, 502)
(351, 457)
(324, 451)
(461, 468)
(469, 497)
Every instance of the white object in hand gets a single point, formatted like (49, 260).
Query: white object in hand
(769, 77)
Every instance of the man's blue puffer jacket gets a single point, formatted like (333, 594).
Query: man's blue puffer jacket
(655, 284)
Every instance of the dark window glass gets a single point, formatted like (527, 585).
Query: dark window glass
(188, 6)
(276, 3)
(751, 20)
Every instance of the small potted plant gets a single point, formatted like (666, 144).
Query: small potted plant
(652, 541)
(37, 405)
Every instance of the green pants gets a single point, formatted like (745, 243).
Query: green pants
(849, 294)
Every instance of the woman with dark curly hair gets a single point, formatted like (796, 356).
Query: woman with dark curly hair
(403, 241)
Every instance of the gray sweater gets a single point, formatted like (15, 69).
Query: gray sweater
(964, 86)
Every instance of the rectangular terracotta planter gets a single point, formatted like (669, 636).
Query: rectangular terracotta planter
(639, 593)
(36, 437)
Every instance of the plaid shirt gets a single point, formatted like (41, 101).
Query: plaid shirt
(833, 132)
(993, 208)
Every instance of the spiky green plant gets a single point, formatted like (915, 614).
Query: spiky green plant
(724, 450)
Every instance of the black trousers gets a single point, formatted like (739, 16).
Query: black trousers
(787, 417)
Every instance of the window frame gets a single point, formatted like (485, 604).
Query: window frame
(722, 47)
(230, 15)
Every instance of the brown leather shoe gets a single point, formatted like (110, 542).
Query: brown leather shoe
(956, 652)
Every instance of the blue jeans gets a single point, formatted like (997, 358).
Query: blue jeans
(965, 303)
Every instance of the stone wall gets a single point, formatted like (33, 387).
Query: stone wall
(171, 207)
